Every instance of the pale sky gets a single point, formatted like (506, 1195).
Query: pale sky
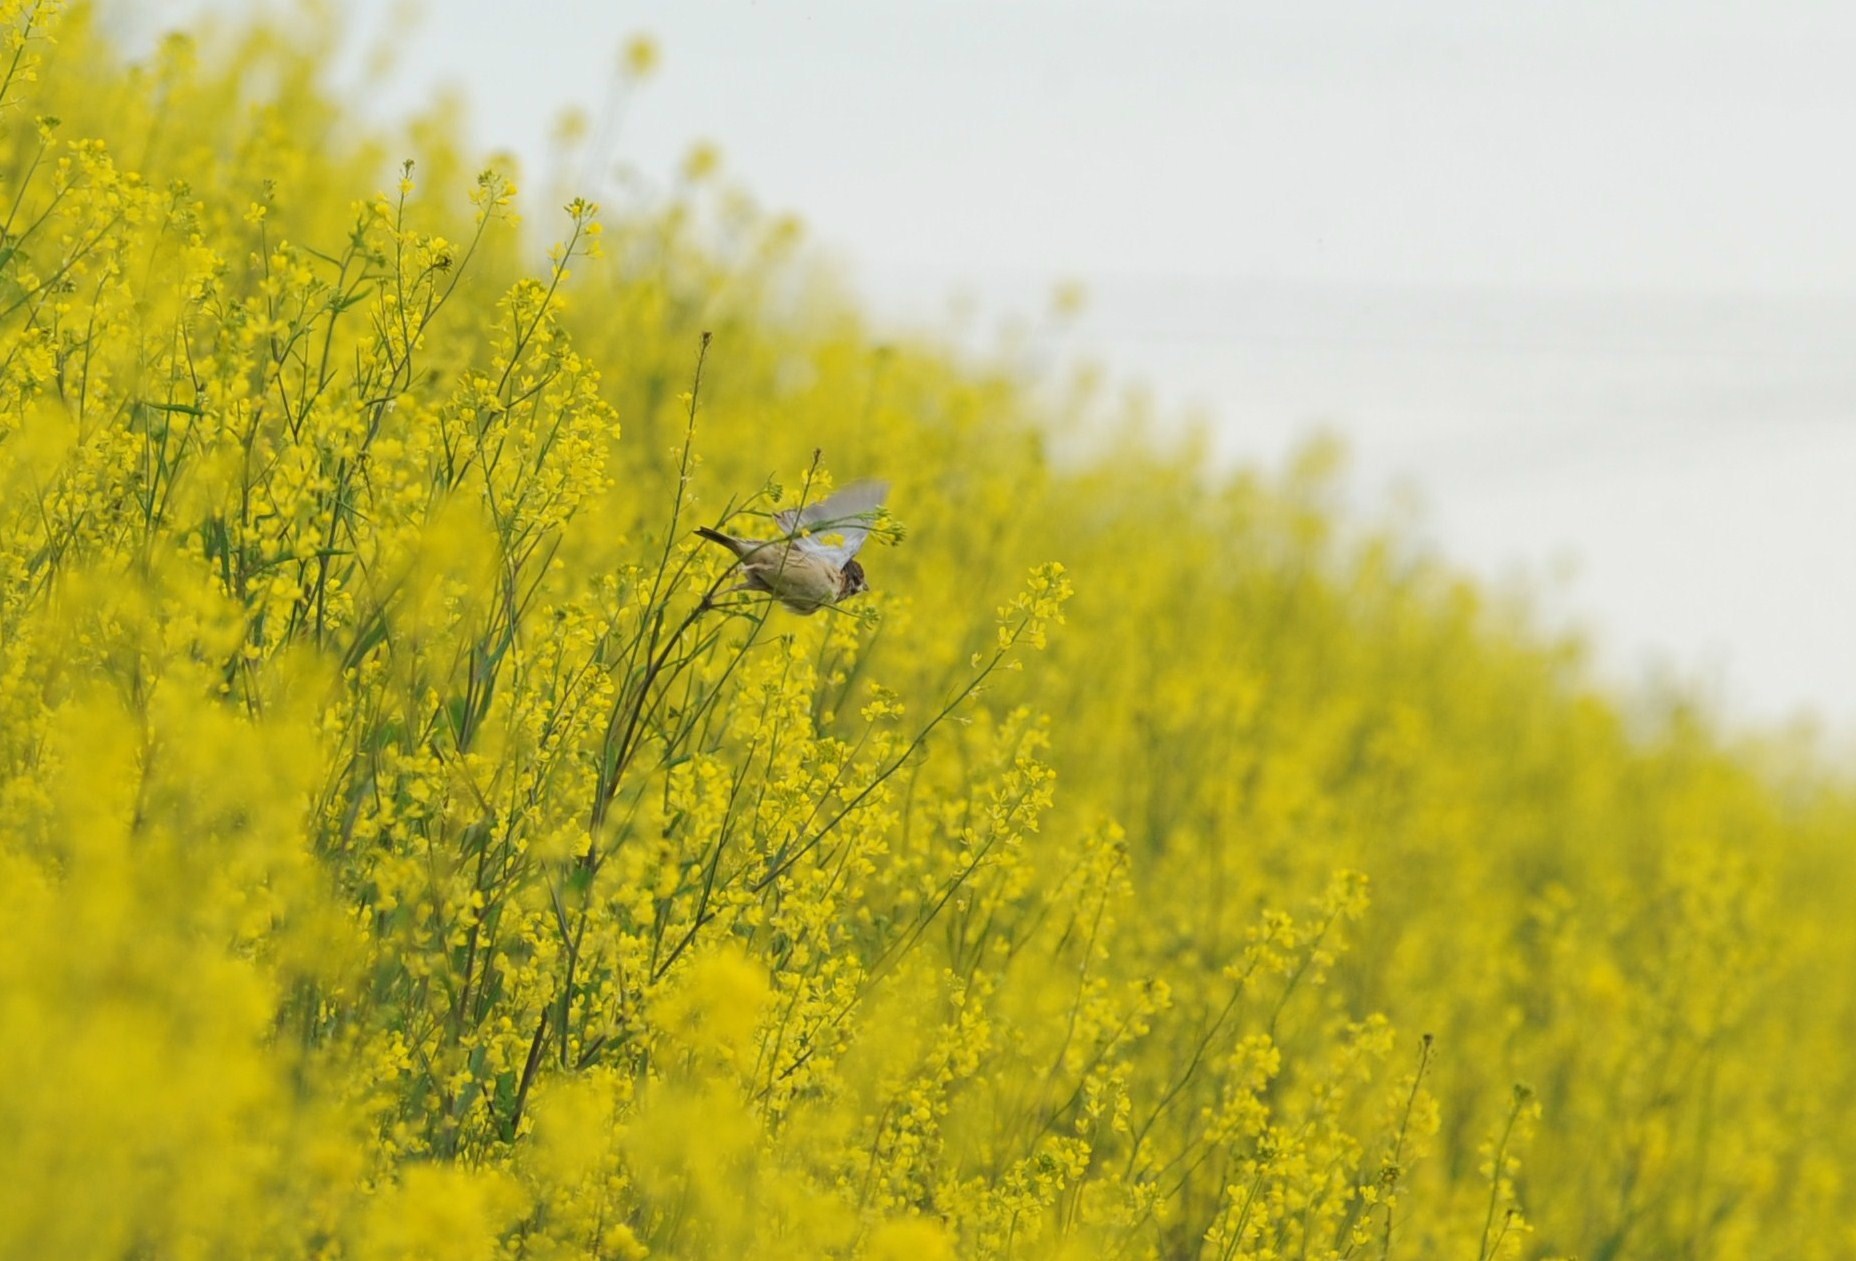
(1584, 273)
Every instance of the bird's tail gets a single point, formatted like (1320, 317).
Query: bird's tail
(716, 536)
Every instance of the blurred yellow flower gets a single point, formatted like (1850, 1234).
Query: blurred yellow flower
(639, 57)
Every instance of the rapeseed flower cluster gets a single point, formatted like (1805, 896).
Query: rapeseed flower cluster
(403, 853)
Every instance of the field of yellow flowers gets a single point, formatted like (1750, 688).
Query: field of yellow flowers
(400, 857)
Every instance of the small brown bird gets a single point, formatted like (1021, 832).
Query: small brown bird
(812, 563)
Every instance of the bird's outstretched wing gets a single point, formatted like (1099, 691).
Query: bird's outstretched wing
(835, 528)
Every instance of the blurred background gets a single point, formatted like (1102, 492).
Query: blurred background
(1577, 278)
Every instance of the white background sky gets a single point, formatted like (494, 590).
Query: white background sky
(1584, 272)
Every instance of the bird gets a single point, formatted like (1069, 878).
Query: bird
(813, 563)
